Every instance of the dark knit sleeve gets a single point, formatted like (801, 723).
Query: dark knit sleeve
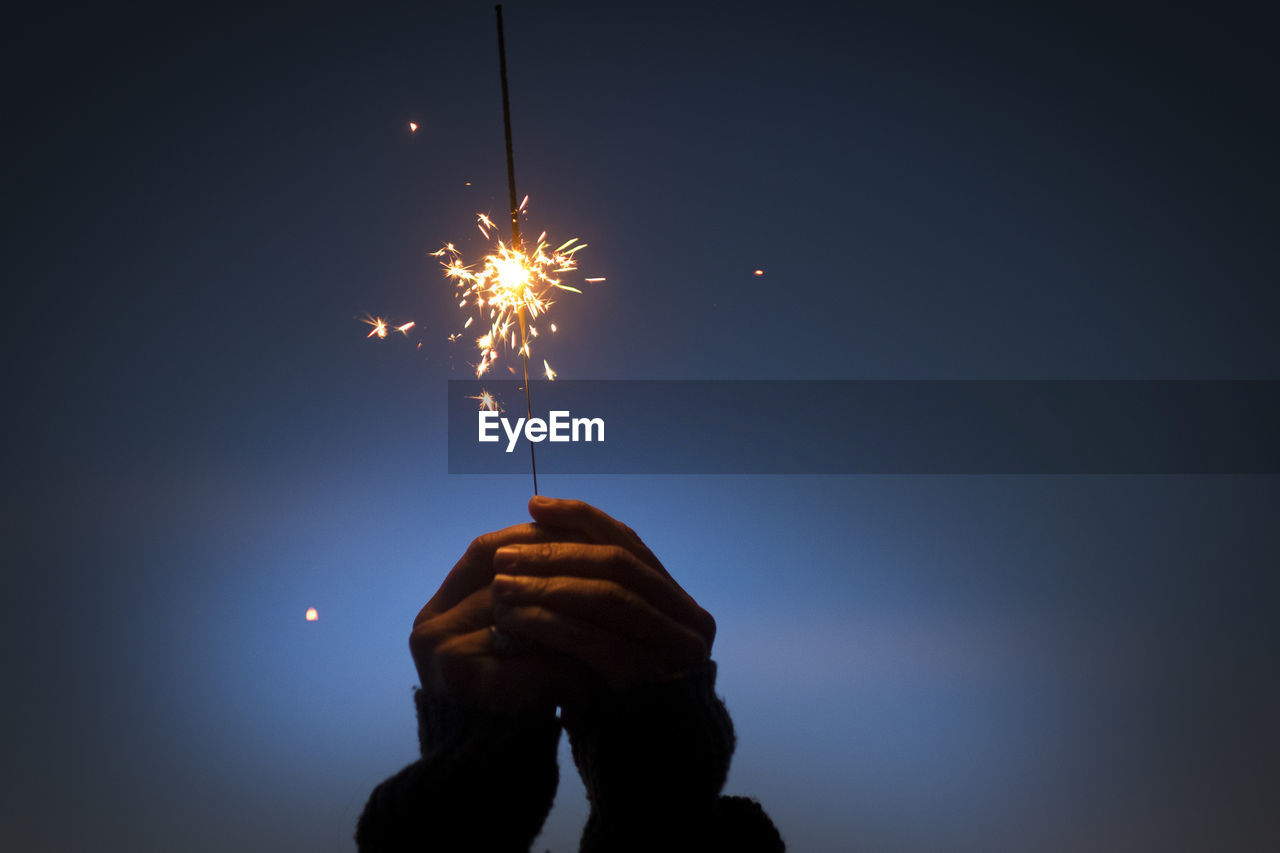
(653, 760)
(485, 782)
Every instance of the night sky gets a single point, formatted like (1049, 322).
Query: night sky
(201, 443)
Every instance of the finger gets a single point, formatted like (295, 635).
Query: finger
(466, 664)
(475, 568)
(473, 613)
(598, 527)
(608, 606)
(617, 659)
(607, 563)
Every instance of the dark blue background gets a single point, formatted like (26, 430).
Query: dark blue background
(201, 443)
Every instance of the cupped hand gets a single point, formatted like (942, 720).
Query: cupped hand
(452, 641)
(605, 601)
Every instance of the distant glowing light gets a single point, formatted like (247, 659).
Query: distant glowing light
(312, 614)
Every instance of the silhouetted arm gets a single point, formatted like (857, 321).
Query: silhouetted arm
(486, 781)
(653, 759)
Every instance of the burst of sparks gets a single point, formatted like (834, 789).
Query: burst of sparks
(510, 289)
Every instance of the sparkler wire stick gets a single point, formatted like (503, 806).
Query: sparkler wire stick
(515, 230)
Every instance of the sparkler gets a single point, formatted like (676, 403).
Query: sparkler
(510, 290)
(512, 285)
(515, 233)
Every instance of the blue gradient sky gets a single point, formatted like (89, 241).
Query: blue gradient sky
(201, 443)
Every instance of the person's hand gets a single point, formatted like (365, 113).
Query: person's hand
(453, 641)
(605, 601)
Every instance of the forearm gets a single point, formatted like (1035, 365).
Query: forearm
(485, 782)
(653, 760)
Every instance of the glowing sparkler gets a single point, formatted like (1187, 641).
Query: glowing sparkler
(510, 289)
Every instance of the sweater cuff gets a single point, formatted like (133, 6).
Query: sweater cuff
(448, 725)
(485, 782)
(656, 749)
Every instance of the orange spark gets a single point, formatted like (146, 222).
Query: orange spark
(487, 401)
(379, 326)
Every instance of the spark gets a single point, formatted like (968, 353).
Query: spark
(759, 272)
(404, 330)
(509, 289)
(551, 374)
(379, 326)
(487, 401)
(413, 128)
(312, 614)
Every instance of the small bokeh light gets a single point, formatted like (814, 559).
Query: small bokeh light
(759, 272)
(312, 614)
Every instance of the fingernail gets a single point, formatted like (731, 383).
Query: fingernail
(543, 500)
(506, 556)
(504, 585)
